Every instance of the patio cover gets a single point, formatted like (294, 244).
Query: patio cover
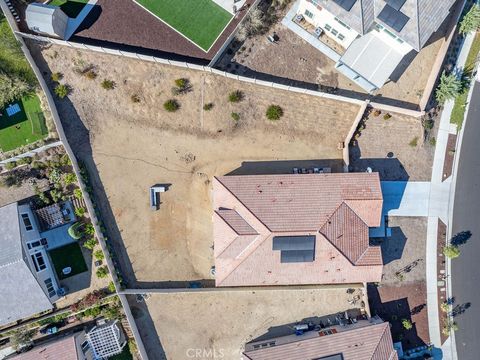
(371, 58)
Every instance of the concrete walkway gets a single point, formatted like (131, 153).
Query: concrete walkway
(440, 208)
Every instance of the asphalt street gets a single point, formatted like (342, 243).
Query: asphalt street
(466, 218)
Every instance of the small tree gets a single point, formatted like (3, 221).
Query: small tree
(102, 272)
(274, 112)
(445, 306)
(111, 287)
(448, 88)
(235, 96)
(449, 327)
(69, 178)
(78, 193)
(90, 243)
(171, 105)
(22, 337)
(471, 20)
(407, 324)
(99, 255)
(62, 90)
(80, 212)
(451, 251)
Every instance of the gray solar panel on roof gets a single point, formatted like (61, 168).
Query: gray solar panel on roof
(295, 256)
(396, 4)
(393, 18)
(346, 4)
(293, 242)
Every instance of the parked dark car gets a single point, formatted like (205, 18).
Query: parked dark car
(52, 328)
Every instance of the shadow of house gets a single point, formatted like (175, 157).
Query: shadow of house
(90, 19)
(395, 312)
(285, 167)
(393, 246)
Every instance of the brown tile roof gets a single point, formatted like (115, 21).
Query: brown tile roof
(64, 349)
(300, 202)
(251, 210)
(372, 342)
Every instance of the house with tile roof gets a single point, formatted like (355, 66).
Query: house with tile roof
(296, 229)
(361, 340)
(376, 34)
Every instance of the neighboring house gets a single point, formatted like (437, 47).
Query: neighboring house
(46, 19)
(101, 342)
(29, 284)
(376, 34)
(296, 229)
(363, 340)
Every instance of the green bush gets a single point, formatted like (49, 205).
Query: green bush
(108, 84)
(387, 116)
(99, 255)
(181, 83)
(62, 90)
(80, 212)
(235, 96)
(112, 312)
(89, 229)
(56, 76)
(407, 324)
(274, 112)
(10, 165)
(102, 272)
(111, 287)
(171, 105)
(208, 107)
(92, 312)
(78, 193)
(414, 142)
(90, 243)
(69, 178)
(451, 251)
(235, 116)
(25, 160)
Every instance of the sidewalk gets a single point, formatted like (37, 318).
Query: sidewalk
(439, 208)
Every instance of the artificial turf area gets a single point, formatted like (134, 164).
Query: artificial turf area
(71, 8)
(68, 256)
(24, 127)
(201, 21)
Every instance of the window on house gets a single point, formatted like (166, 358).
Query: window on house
(309, 14)
(39, 261)
(390, 33)
(27, 222)
(342, 23)
(50, 288)
(85, 346)
(328, 27)
(334, 32)
(341, 37)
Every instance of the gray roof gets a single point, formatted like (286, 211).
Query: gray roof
(47, 19)
(20, 294)
(424, 17)
(372, 58)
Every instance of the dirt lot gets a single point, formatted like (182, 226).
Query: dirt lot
(225, 321)
(395, 148)
(404, 252)
(133, 146)
(260, 58)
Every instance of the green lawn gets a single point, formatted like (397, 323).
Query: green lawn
(201, 21)
(68, 256)
(124, 355)
(458, 112)
(70, 7)
(24, 127)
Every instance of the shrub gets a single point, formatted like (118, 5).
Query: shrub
(433, 141)
(102, 272)
(80, 212)
(445, 306)
(171, 105)
(471, 20)
(69, 178)
(111, 287)
(21, 337)
(448, 88)
(10, 165)
(132, 346)
(235, 116)
(235, 96)
(274, 112)
(181, 83)
(387, 116)
(407, 324)
(451, 251)
(89, 229)
(112, 312)
(377, 112)
(92, 312)
(56, 76)
(90, 243)
(25, 160)
(414, 142)
(62, 90)
(99, 255)
(208, 106)
(182, 86)
(108, 84)
(74, 231)
(135, 98)
(91, 74)
(78, 193)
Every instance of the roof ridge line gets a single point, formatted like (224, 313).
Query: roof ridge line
(386, 326)
(231, 227)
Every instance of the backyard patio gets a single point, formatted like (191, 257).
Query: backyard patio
(68, 256)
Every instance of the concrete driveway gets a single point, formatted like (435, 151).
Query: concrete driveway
(402, 198)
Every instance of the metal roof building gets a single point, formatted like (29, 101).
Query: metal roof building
(46, 19)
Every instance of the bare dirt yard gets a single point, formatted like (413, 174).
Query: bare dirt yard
(309, 67)
(223, 321)
(395, 147)
(129, 146)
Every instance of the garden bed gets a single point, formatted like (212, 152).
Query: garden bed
(68, 256)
